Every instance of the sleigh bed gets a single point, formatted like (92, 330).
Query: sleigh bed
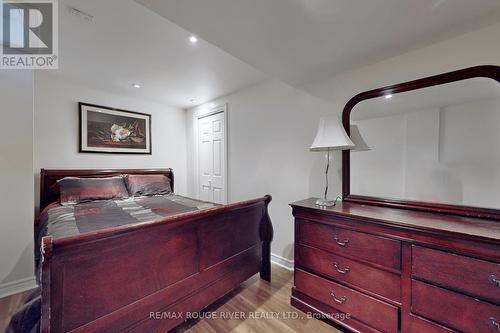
(134, 276)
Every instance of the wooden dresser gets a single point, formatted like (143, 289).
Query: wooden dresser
(395, 270)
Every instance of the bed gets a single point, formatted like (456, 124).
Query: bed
(142, 275)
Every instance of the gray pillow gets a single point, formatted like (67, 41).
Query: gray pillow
(148, 185)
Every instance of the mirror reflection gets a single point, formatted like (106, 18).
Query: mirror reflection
(437, 144)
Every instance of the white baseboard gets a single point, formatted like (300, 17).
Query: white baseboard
(15, 287)
(283, 262)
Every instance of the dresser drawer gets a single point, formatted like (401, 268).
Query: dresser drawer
(475, 277)
(341, 269)
(378, 250)
(454, 310)
(369, 310)
(419, 325)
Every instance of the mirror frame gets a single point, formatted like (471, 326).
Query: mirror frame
(485, 71)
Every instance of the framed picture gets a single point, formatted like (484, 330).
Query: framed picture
(108, 130)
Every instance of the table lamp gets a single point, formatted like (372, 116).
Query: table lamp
(331, 136)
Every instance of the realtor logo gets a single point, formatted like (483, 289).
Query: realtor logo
(29, 34)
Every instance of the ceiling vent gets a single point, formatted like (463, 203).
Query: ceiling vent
(78, 13)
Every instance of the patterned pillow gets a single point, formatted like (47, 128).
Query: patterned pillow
(75, 190)
(148, 185)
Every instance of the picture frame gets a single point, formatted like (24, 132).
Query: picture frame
(113, 131)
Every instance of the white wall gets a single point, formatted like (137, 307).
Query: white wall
(56, 130)
(448, 155)
(271, 124)
(404, 160)
(470, 152)
(270, 127)
(386, 160)
(16, 177)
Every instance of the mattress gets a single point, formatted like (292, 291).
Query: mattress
(61, 221)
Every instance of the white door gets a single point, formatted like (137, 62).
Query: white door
(212, 158)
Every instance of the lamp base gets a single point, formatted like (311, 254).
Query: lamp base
(325, 203)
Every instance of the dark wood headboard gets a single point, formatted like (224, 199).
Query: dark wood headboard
(49, 191)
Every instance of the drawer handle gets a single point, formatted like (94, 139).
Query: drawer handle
(345, 270)
(340, 300)
(493, 279)
(495, 323)
(340, 242)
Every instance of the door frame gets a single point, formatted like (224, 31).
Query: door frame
(222, 108)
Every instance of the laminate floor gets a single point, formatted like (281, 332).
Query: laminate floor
(8, 306)
(262, 308)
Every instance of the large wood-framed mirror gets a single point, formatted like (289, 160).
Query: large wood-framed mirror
(434, 144)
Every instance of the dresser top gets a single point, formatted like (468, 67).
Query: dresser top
(488, 230)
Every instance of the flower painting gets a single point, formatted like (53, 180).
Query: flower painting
(108, 130)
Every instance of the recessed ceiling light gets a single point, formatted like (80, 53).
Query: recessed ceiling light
(136, 85)
(193, 39)
(212, 105)
(388, 96)
(193, 100)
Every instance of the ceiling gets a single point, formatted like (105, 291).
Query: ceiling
(126, 43)
(300, 41)
(243, 42)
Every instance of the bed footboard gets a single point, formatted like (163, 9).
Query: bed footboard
(146, 277)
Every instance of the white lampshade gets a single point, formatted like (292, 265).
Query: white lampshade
(358, 140)
(331, 136)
